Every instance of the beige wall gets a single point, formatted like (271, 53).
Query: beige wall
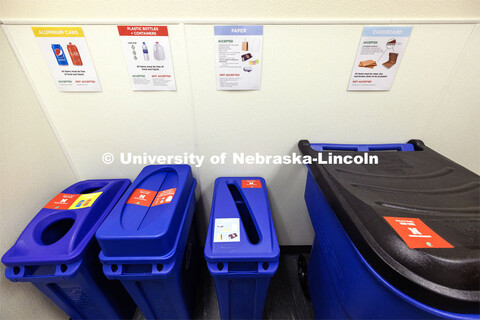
(32, 169)
(225, 11)
(305, 74)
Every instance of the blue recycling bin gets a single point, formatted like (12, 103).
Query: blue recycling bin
(148, 242)
(57, 252)
(393, 240)
(241, 249)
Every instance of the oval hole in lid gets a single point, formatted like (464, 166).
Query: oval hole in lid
(56, 231)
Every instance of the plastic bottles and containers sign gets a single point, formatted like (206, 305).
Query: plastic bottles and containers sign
(68, 58)
(148, 57)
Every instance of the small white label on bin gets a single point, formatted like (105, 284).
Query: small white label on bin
(227, 230)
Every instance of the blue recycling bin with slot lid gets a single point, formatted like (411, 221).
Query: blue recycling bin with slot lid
(58, 253)
(149, 243)
(241, 248)
(395, 239)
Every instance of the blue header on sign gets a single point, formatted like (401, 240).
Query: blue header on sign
(386, 31)
(238, 30)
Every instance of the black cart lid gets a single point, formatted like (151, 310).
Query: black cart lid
(411, 193)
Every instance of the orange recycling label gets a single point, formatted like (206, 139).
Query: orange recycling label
(164, 197)
(142, 197)
(251, 184)
(62, 201)
(416, 233)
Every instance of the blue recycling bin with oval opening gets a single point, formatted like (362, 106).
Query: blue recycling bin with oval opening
(394, 239)
(58, 253)
(241, 248)
(149, 243)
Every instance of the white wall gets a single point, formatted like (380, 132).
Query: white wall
(454, 127)
(33, 168)
(306, 69)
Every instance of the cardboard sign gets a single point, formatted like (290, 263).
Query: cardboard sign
(378, 57)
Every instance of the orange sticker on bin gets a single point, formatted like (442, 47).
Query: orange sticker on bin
(142, 197)
(62, 201)
(164, 197)
(251, 184)
(416, 233)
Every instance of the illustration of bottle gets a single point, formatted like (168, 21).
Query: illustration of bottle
(145, 52)
(158, 52)
(74, 54)
(60, 55)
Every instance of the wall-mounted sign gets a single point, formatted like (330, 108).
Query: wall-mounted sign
(378, 57)
(68, 58)
(238, 51)
(148, 57)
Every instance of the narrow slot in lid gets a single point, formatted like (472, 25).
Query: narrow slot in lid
(245, 214)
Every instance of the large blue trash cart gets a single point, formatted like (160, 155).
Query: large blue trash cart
(393, 240)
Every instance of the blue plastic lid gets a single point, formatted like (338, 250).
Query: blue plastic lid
(241, 226)
(362, 147)
(61, 232)
(147, 219)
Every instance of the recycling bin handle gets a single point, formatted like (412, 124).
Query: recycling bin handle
(233, 267)
(306, 149)
(39, 272)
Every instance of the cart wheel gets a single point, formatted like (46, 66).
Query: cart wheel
(302, 268)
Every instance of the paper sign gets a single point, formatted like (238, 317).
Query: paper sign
(251, 184)
(148, 57)
(142, 197)
(417, 234)
(226, 230)
(238, 51)
(378, 57)
(68, 58)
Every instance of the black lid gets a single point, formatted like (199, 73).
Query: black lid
(420, 184)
